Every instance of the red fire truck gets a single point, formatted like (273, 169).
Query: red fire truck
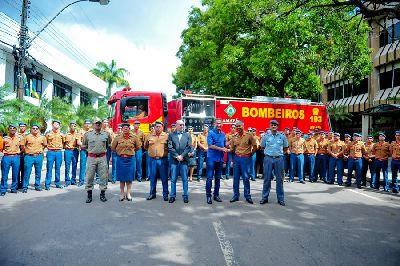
(197, 110)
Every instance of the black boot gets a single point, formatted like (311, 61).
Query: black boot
(103, 196)
(89, 196)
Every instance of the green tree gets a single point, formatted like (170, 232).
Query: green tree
(111, 74)
(244, 48)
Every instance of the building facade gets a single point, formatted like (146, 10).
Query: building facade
(375, 102)
(55, 74)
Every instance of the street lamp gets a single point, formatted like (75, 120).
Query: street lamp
(25, 43)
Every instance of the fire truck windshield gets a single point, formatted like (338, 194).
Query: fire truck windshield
(134, 108)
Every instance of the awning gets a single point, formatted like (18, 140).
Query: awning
(383, 109)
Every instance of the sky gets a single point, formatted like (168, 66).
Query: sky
(141, 36)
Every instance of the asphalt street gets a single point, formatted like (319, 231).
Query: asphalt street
(320, 225)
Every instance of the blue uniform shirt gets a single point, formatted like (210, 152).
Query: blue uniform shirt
(273, 144)
(219, 140)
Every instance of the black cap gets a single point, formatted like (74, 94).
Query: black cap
(21, 124)
(158, 123)
(125, 125)
(274, 122)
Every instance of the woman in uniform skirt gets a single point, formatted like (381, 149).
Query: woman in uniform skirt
(125, 145)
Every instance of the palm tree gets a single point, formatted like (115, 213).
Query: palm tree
(111, 74)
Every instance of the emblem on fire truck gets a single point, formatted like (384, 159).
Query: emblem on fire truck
(230, 110)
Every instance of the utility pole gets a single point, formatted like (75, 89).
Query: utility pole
(23, 38)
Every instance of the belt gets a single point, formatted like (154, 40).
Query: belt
(354, 158)
(297, 153)
(309, 153)
(70, 149)
(381, 159)
(11, 155)
(158, 158)
(125, 156)
(396, 158)
(321, 153)
(96, 155)
(34, 154)
(243, 155)
(273, 157)
(53, 149)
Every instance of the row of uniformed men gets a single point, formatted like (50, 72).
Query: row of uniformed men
(326, 157)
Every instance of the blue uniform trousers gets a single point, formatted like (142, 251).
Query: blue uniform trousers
(201, 157)
(381, 165)
(148, 166)
(276, 165)
(338, 164)
(114, 166)
(29, 162)
(395, 165)
(70, 159)
(214, 171)
(371, 165)
(139, 157)
(296, 161)
(159, 167)
(53, 157)
(241, 168)
(321, 166)
(252, 173)
(286, 164)
(8, 162)
(229, 159)
(82, 166)
(309, 164)
(182, 170)
(354, 164)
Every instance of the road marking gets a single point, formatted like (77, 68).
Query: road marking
(226, 246)
(371, 197)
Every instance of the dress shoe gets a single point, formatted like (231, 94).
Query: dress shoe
(14, 191)
(348, 185)
(89, 196)
(263, 201)
(234, 199)
(249, 200)
(302, 181)
(395, 191)
(73, 183)
(151, 197)
(217, 198)
(47, 188)
(139, 180)
(80, 184)
(147, 178)
(386, 190)
(359, 186)
(209, 201)
(128, 197)
(198, 179)
(340, 185)
(185, 200)
(165, 198)
(66, 184)
(2, 194)
(171, 200)
(121, 197)
(38, 188)
(25, 190)
(113, 182)
(252, 179)
(282, 203)
(59, 186)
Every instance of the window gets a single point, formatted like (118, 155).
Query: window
(396, 77)
(347, 89)
(198, 108)
(385, 80)
(331, 94)
(33, 87)
(389, 35)
(85, 98)
(134, 108)
(62, 90)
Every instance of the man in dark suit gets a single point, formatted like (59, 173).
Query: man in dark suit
(179, 145)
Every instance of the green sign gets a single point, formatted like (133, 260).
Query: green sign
(230, 110)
